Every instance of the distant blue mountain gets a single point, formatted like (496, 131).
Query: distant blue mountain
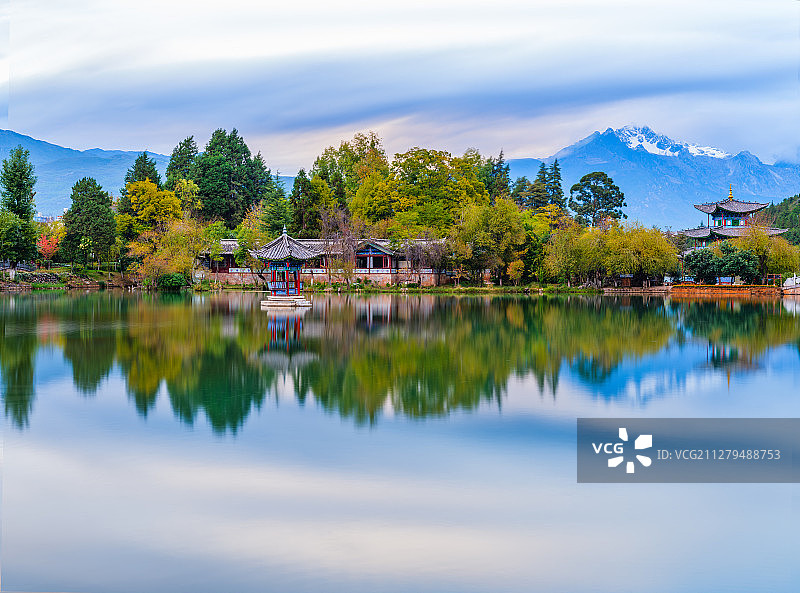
(662, 179)
(58, 168)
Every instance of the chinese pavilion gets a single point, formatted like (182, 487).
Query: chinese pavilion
(726, 219)
(284, 257)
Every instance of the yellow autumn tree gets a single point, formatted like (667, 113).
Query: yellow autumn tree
(154, 208)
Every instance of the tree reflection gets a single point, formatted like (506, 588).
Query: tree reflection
(415, 356)
(18, 346)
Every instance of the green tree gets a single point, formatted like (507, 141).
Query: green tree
(494, 174)
(491, 236)
(643, 252)
(555, 190)
(308, 198)
(704, 265)
(374, 200)
(534, 195)
(17, 238)
(89, 223)
(758, 242)
(345, 168)
(181, 162)
(595, 198)
(231, 180)
(276, 212)
(737, 262)
(561, 252)
(17, 181)
(433, 187)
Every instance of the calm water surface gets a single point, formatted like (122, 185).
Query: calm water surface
(379, 444)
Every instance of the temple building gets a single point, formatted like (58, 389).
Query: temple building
(726, 219)
(289, 263)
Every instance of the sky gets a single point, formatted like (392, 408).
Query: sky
(526, 77)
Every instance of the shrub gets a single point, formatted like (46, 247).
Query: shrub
(171, 282)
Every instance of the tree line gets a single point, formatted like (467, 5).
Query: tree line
(441, 211)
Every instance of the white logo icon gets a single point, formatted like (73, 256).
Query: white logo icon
(643, 441)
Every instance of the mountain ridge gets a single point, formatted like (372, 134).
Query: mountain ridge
(57, 168)
(661, 186)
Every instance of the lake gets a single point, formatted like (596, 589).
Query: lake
(386, 443)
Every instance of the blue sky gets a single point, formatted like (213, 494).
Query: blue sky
(526, 76)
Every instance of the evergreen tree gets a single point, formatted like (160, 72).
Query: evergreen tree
(521, 192)
(555, 190)
(308, 198)
(181, 162)
(17, 181)
(143, 168)
(595, 197)
(89, 222)
(530, 195)
(17, 238)
(494, 174)
(277, 211)
(231, 181)
(540, 195)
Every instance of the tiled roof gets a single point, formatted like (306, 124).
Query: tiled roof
(741, 231)
(727, 231)
(228, 246)
(285, 247)
(731, 205)
(699, 233)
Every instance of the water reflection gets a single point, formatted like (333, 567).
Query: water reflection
(418, 356)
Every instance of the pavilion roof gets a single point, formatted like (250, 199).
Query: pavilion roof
(285, 247)
(730, 205)
(727, 231)
(741, 231)
(698, 233)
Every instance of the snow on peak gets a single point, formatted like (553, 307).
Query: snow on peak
(635, 137)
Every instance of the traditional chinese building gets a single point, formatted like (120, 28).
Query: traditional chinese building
(726, 219)
(289, 262)
(284, 258)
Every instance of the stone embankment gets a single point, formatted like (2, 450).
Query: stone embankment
(726, 290)
(48, 281)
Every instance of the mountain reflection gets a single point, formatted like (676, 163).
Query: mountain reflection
(416, 356)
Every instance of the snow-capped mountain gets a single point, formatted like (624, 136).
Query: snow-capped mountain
(645, 138)
(662, 178)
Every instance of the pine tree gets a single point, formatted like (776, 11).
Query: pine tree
(494, 174)
(521, 192)
(554, 187)
(540, 194)
(89, 223)
(231, 181)
(17, 180)
(17, 229)
(277, 211)
(181, 162)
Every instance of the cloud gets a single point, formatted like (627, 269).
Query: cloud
(514, 75)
